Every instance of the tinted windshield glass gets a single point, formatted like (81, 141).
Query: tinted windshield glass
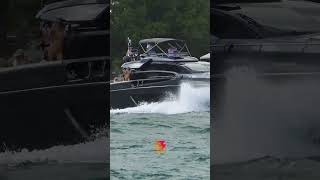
(75, 13)
(227, 26)
(198, 66)
(286, 16)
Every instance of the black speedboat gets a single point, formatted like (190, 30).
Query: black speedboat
(274, 47)
(285, 42)
(156, 74)
(60, 102)
(265, 78)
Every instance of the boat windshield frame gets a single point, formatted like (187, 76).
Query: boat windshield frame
(66, 5)
(156, 42)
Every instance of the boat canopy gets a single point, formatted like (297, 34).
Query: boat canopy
(73, 10)
(158, 40)
(164, 47)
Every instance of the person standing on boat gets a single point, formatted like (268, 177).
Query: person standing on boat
(126, 74)
(55, 49)
(129, 51)
(129, 55)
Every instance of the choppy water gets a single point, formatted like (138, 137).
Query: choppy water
(269, 168)
(270, 129)
(59, 162)
(184, 123)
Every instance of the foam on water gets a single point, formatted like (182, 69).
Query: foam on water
(90, 152)
(259, 118)
(187, 152)
(190, 99)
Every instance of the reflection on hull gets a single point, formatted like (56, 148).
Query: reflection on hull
(132, 96)
(44, 117)
(266, 92)
(266, 116)
(125, 94)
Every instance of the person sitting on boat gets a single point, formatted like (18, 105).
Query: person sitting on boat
(126, 59)
(115, 78)
(150, 50)
(172, 52)
(129, 55)
(129, 52)
(20, 58)
(126, 74)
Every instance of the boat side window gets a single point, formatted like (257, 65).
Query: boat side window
(98, 68)
(151, 77)
(77, 71)
(167, 67)
(228, 27)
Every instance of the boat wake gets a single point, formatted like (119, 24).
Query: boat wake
(267, 118)
(269, 167)
(88, 152)
(190, 99)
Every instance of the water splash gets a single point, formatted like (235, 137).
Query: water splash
(89, 152)
(190, 99)
(259, 117)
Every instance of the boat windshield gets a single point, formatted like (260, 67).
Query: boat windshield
(267, 30)
(169, 49)
(75, 13)
(287, 17)
(198, 66)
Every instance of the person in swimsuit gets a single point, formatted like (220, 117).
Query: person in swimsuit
(55, 49)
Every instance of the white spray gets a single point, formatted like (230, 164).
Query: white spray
(190, 99)
(280, 119)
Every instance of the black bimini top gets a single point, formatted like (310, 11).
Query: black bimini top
(158, 40)
(73, 10)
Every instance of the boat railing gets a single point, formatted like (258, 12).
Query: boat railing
(164, 55)
(71, 70)
(86, 68)
(151, 76)
(302, 47)
(44, 63)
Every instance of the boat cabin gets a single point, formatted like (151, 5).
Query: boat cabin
(60, 100)
(161, 56)
(85, 48)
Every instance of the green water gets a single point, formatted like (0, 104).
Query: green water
(55, 171)
(187, 138)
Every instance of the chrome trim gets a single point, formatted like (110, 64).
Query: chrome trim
(51, 87)
(148, 87)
